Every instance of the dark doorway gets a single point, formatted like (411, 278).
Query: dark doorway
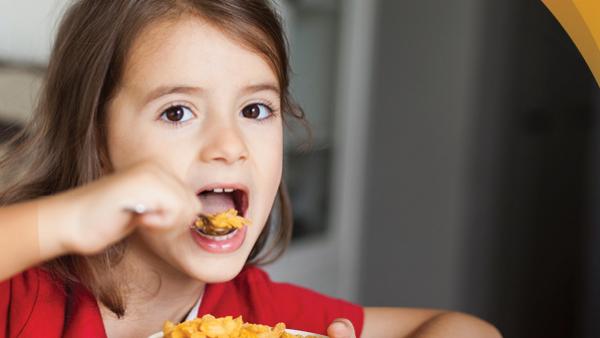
(531, 175)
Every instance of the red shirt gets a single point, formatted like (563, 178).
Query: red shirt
(34, 305)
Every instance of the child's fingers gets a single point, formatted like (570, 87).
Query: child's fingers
(168, 201)
(196, 204)
(341, 328)
(153, 219)
(163, 218)
(175, 211)
(187, 205)
(172, 181)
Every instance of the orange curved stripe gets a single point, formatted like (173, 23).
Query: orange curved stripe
(581, 20)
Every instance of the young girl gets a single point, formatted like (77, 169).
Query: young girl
(153, 112)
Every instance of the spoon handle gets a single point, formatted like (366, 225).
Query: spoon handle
(138, 209)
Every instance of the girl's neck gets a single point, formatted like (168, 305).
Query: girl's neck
(155, 292)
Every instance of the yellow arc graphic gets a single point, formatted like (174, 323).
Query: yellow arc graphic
(581, 20)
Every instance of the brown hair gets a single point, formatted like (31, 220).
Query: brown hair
(64, 145)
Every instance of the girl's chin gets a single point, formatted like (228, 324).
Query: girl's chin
(214, 266)
(210, 265)
(212, 270)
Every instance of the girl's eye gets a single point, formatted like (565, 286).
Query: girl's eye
(177, 114)
(256, 111)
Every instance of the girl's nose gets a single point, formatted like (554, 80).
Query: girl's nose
(224, 144)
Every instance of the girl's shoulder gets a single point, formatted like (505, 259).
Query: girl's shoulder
(35, 304)
(258, 299)
(26, 299)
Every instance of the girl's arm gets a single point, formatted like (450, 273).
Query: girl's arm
(88, 219)
(417, 323)
(20, 233)
(414, 323)
(18, 238)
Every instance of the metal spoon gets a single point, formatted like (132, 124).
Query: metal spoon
(140, 209)
(208, 227)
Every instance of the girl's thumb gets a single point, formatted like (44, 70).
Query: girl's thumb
(341, 328)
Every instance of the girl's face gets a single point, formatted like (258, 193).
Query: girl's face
(207, 108)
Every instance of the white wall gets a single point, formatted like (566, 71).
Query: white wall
(420, 118)
(19, 89)
(27, 28)
(331, 264)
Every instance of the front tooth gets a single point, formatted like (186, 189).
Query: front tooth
(218, 190)
(228, 190)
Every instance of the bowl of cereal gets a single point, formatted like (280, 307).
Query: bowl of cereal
(209, 326)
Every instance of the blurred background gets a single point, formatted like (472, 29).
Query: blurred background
(453, 162)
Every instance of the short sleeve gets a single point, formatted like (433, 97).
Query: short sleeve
(31, 305)
(17, 298)
(4, 304)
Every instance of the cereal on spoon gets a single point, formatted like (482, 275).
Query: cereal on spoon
(220, 223)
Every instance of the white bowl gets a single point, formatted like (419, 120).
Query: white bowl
(303, 333)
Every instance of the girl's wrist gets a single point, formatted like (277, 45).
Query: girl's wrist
(57, 221)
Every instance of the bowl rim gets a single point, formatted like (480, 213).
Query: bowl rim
(160, 334)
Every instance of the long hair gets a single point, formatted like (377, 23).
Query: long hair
(64, 144)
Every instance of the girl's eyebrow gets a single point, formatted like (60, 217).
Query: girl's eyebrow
(191, 90)
(166, 90)
(260, 87)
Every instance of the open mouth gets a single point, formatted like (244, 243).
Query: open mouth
(219, 200)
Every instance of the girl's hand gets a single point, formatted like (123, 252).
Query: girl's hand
(341, 328)
(93, 216)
